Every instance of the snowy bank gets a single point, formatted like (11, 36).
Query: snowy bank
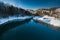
(4, 20)
(49, 20)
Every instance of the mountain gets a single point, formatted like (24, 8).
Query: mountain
(54, 11)
(7, 10)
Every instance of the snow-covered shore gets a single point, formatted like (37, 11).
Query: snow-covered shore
(49, 20)
(4, 20)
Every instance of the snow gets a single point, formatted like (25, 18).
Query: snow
(57, 10)
(49, 20)
(3, 20)
(55, 22)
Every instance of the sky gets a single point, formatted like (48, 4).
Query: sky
(33, 4)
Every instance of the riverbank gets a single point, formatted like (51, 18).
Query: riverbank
(5, 20)
(48, 20)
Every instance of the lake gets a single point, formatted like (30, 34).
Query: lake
(31, 30)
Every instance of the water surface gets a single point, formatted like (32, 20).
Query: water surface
(31, 31)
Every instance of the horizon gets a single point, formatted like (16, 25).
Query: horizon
(33, 4)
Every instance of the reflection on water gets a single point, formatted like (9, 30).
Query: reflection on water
(11, 25)
(31, 31)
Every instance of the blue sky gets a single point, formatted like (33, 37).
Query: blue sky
(34, 4)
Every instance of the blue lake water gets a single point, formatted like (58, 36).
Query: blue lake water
(31, 31)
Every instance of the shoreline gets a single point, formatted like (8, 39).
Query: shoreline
(50, 21)
(5, 20)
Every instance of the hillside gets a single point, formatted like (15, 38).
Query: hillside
(10, 10)
(54, 12)
(7, 10)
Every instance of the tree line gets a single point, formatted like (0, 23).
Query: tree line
(10, 10)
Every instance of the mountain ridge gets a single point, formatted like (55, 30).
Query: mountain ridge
(7, 10)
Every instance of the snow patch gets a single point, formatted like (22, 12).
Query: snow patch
(48, 20)
(3, 20)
